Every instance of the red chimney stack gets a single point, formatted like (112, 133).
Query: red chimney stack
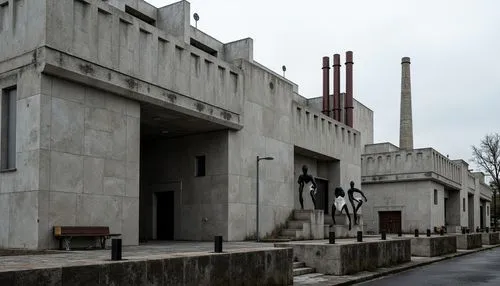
(348, 87)
(326, 86)
(336, 87)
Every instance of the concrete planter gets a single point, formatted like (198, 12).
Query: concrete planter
(469, 241)
(491, 238)
(433, 246)
(351, 257)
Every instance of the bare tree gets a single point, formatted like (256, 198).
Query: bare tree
(487, 157)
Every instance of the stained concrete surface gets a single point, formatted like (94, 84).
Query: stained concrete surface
(478, 268)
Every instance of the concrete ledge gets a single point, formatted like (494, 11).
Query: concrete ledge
(433, 246)
(491, 238)
(469, 241)
(272, 266)
(352, 257)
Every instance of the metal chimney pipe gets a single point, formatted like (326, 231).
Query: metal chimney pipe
(348, 89)
(326, 86)
(336, 87)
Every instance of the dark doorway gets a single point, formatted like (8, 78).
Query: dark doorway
(390, 222)
(481, 216)
(322, 195)
(165, 215)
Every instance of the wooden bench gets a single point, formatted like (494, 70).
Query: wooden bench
(65, 233)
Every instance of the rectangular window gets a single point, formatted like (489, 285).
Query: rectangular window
(8, 129)
(487, 210)
(200, 166)
(435, 196)
(463, 204)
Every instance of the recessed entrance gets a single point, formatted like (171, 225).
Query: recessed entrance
(322, 195)
(165, 215)
(390, 221)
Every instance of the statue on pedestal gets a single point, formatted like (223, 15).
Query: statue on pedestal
(358, 201)
(339, 204)
(304, 179)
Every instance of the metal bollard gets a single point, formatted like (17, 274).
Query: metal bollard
(116, 249)
(400, 233)
(218, 243)
(477, 229)
(416, 232)
(487, 229)
(428, 232)
(331, 237)
(467, 231)
(383, 237)
(441, 231)
(463, 230)
(360, 236)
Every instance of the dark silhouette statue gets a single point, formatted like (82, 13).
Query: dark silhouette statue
(352, 199)
(339, 204)
(304, 179)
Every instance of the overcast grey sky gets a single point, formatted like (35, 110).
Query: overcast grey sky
(453, 45)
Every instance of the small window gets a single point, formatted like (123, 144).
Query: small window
(200, 166)
(463, 204)
(8, 129)
(487, 210)
(435, 196)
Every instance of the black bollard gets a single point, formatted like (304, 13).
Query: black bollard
(116, 249)
(428, 232)
(383, 235)
(400, 233)
(477, 229)
(441, 231)
(463, 230)
(331, 237)
(416, 232)
(218, 243)
(467, 231)
(360, 236)
(487, 229)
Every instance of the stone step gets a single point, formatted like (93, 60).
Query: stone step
(296, 224)
(299, 265)
(302, 271)
(290, 232)
(302, 214)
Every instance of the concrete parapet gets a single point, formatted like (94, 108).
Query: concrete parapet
(491, 238)
(271, 266)
(347, 258)
(433, 246)
(469, 241)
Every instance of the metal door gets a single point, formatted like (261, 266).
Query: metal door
(390, 221)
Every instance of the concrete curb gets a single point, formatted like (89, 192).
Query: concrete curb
(409, 267)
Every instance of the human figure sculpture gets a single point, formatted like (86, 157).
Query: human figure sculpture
(339, 204)
(305, 178)
(352, 199)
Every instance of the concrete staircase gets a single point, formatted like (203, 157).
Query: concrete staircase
(341, 229)
(305, 224)
(300, 268)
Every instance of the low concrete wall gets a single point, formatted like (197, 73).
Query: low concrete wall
(469, 241)
(491, 238)
(433, 246)
(271, 266)
(350, 258)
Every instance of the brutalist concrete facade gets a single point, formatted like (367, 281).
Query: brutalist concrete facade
(99, 86)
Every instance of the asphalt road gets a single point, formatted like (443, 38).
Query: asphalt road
(481, 268)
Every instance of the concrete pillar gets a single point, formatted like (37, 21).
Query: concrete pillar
(405, 123)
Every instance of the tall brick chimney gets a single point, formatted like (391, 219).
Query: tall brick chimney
(405, 121)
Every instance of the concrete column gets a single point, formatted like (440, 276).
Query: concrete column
(405, 123)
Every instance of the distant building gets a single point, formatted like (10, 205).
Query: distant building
(410, 188)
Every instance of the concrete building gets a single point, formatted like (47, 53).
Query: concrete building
(418, 188)
(121, 114)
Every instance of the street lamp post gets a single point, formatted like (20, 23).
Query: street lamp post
(257, 203)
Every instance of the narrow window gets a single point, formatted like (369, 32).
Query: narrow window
(435, 196)
(463, 204)
(200, 166)
(8, 130)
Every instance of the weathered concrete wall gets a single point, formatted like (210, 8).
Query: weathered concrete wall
(267, 132)
(385, 147)
(413, 199)
(433, 246)
(351, 258)
(437, 206)
(490, 238)
(469, 241)
(261, 267)
(169, 165)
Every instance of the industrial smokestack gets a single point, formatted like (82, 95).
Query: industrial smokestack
(336, 87)
(326, 86)
(348, 89)
(405, 121)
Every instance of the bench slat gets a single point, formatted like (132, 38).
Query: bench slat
(81, 231)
